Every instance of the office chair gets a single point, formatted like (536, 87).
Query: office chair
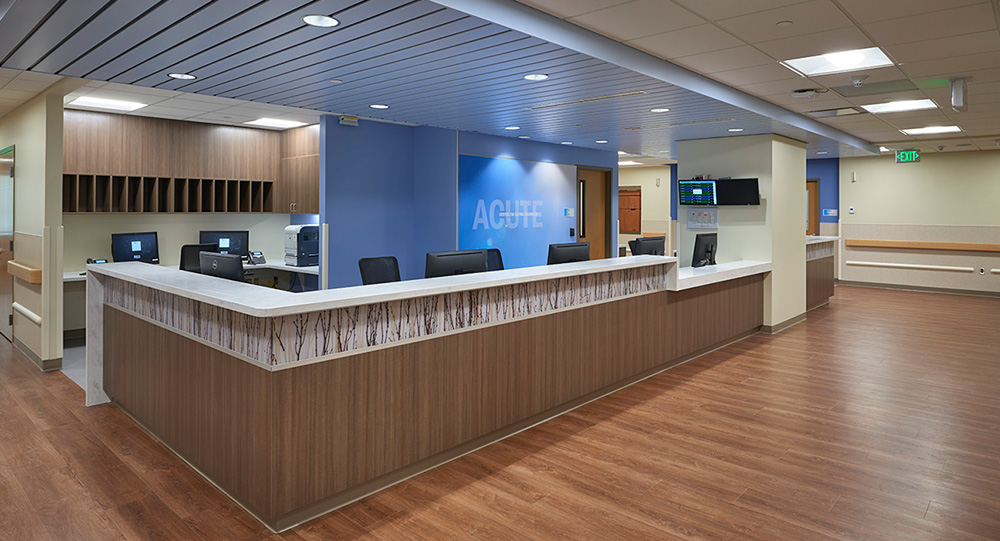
(189, 255)
(378, 270)
(631, 247)
(494, 261)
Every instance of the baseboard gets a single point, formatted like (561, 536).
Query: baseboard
(966, 292)
(817, 305)
(775, 329)
(47, 365)
(74, 338)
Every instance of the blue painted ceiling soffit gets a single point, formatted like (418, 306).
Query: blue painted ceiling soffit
(432, 64)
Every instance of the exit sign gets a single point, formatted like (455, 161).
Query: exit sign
(911, 155)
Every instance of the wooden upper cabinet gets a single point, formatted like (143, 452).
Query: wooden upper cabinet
(298, 177)
(629, 211)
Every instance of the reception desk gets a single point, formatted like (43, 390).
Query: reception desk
(295, 404)
(820, 270)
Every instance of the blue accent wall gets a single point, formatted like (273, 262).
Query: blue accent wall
(673, 191)
(387, 189)
(827, 170)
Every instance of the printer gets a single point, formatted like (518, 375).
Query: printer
(302, 245)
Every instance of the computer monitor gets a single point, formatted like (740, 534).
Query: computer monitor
(452, 263)
(569, 252)
(135, 247)
(230, 242)
(229, 266)
(649, 246)
(704, 249)
(190, 260)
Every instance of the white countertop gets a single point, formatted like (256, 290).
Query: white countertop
(80, 276)
(816, 239)
(74, 276)
(689, 277)
(265, 302)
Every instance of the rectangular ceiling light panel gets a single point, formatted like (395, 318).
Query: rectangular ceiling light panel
(899, 106)
(839, 62)
(110, 105)
(931, 130)
(275, 123)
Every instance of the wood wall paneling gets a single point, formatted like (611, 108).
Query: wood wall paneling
(819, 281)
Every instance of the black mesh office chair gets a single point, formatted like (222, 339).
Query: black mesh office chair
(631, 247)
(493, 259)
(378, 270)
(189, 255)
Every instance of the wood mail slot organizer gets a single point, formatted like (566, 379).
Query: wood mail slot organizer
(119, 193)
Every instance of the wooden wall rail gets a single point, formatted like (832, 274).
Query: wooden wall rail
(923, 245)
(24, 272)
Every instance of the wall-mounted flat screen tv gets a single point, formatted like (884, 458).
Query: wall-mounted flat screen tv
(696, 192)
(737, 191)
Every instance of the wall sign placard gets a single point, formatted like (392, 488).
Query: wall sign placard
(910, 155)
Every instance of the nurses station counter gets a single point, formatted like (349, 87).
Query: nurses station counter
(297, 403)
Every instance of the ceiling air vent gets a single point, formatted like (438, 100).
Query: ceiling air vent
(588, 100)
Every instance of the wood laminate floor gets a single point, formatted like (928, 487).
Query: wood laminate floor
(877, 418)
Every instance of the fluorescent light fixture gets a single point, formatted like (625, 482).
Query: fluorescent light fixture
(899, 106)
(839, 62)
(883, 149)
(622, 153)
(322, 21)
(512, 128)
(734, 130)
(601, 141)
(182, 76)
(931, 130)
(820, 153)
(336, 81)
(111, 105)
(379, 106)
(536, 76)
(659, 110)
(566, 143)
(275, 123)
(629, 162)
(524, 137)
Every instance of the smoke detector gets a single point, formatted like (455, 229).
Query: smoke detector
(806, 93)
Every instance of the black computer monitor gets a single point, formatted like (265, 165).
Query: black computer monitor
(569, 252)
(452, 263)
(229, 266)
(649, 246)
(190, 260)
(135, 247)
(230, 242)
(704, 249)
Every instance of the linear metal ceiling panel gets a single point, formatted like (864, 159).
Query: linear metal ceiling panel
(433, 65)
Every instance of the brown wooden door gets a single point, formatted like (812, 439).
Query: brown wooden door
(593, 221)
(630, 211)
(812, 218)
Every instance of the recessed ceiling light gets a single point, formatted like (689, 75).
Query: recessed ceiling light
(566, 143)
(524, 137)
(379, 106)
(629, 162)
(784, 23)
(883, 149)
(899, 106)
(275, 123)
(930, 130)
(622, 153)
(182, 76)
(111, 105)
(659, 110)
(536, 76)
(336, 81)
(822, 152)
(842, 61)
(322, 21)
(512, 128)
(735, 129)
(601, 141)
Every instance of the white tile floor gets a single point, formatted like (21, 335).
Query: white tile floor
(74, 365)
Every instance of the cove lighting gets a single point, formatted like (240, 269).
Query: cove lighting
(734, 130)
(275, 123)
(182, 76)
(111, 105)
(512, 128)
(931, 130)
(566, 143)
(524, 137)
(322, 21)
(379, 106)
(899, 106)
(839, 62)
(659, 110)
(601, 141)
(536, 76)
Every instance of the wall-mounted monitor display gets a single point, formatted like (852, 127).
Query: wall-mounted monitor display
(696, 192)
(135, 247)
(737, 191)
(229, 242)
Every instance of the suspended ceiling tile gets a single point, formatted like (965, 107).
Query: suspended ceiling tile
(756, 74)
(26, 85)
(160, 111)
(637, 19)
(893, 96)
(726, 59)
(687, 41)
(869, 11)
(8, 102)
(22, 95)
(224, 118)
(785, 86)
(933, 49)
(715, 10)
(938, 24)
(953, 65)
(194, 105)
(830, 41)
(571, 8)
(807, 18)
(877, 75)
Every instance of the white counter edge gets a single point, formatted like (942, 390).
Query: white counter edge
(818, 240)
(690, 277)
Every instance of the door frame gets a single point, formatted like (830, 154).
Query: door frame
(611, 244)
(8, 310)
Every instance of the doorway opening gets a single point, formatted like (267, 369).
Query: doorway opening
(594, 211)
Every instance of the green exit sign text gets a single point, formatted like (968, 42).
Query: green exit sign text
(908, 156)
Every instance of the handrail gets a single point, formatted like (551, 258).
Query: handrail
(924, 245)
(24, 272)
(35, 318)
(909, 266)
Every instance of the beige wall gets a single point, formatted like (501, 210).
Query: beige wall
(773, 231)
(655, 199)
(89, 235)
